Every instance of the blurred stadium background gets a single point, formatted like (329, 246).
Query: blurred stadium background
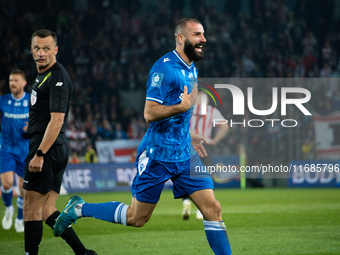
(108, 48)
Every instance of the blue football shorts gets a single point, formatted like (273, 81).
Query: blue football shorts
(12, 162)
(152, 174)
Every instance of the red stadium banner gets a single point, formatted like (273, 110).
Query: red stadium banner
(117, 151)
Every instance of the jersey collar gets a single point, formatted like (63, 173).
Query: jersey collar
(19, 98)
(182, 60)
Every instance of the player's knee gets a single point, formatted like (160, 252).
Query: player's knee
(214, 206)
(217, 207)
(213, 211)
(6, 185)
(47, 212)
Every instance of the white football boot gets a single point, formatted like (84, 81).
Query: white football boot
(19, 226)
(186, 209)
(7, 221)
(199, 215)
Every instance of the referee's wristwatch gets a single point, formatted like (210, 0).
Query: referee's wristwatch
(40, 153)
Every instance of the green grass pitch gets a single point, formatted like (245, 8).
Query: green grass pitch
(259, 221)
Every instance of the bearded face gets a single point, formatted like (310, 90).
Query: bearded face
(193, 52)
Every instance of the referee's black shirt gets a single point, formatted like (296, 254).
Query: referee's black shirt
(51, 92)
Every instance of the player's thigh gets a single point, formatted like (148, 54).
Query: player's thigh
(191, 179)
(11, 163)
(20, 165)
(139, 212)
(7, 164)
(148, 183)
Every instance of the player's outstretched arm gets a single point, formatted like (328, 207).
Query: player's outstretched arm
(154, 111)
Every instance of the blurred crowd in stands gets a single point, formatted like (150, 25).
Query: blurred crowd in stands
(109, 47)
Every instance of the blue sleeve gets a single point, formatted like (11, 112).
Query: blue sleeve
(158, 84)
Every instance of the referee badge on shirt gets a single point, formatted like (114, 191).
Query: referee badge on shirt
(33, 97)
(157, 80)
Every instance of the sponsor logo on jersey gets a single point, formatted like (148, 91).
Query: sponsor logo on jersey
(166, 59)
(59, 84)
(16, 116)
(183, 72)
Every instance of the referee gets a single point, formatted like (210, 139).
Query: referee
(48, 154)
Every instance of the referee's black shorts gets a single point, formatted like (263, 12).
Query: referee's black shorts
(55, 162)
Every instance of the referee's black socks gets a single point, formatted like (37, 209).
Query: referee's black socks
(69, 235)
(33, 235)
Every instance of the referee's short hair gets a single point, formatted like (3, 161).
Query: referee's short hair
(43, 33)
(180, 25)
(18, 71)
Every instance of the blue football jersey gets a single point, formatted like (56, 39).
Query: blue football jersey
(169, 140)
(14, 114)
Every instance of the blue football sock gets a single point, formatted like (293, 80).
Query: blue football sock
(20, 204)
(7, 196)
(114, 212)
(216, 233)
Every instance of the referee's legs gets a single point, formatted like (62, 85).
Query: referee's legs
(33, 204)
(41, 207)
(50, 214)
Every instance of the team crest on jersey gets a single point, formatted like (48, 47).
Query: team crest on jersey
(157, 80)
(25, 103)
(183, 72)
(33, 97)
